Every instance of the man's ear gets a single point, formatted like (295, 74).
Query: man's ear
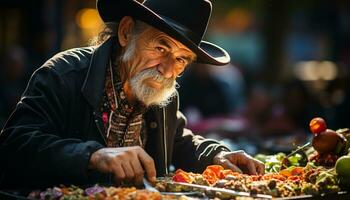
(125, 28)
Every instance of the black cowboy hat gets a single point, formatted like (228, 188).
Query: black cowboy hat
(184, 20)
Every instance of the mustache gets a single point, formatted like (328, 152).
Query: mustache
(149, 95)
(154, 74)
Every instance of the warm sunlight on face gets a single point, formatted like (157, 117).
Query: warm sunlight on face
(156, 49)
(155, 62)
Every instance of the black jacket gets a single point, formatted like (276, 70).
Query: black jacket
(57, 125)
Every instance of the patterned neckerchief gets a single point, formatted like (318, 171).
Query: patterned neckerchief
(124, 123)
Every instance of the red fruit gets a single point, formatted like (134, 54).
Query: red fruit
(182, 176)
(326, 141)
(317, 125)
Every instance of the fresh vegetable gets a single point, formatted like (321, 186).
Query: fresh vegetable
(326, 140)
(212, 173)
(182, 176)
(291, 181)
(274, 163)
(98, 193)
(342, 166)
(91, 191)
(324, 159)
(346, 133)
(51, 193)
(317, 125)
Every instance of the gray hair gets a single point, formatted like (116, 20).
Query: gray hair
(111, 29)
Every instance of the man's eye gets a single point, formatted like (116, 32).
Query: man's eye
(160, 49)
(181, 60)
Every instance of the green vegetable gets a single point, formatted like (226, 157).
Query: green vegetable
(273, 163)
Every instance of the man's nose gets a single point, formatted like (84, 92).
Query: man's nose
(166, 67)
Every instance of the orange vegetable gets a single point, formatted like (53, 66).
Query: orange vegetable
(210, 176)
(296, 171)
(212, 173)
(294, 178)
(182, 176)
(285, 172)
(215, 168)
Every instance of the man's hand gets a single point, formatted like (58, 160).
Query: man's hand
(239, 161)
(125, 163)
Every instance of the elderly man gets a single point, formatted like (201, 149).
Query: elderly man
(109, 113)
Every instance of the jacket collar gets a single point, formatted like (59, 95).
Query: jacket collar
(92, 88)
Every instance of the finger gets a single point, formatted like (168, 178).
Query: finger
(228, 165)
(148, 164)
(242, 159)
(129, 171)
(251, 167)
(260, 167)
(139, 172)
(118, 173)
(235, 157)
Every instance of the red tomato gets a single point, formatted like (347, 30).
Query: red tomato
(215, 168)
(297, 171)
(294, 178)
(317, 125)
(181, 176)
(255, 177)
(212, 173)
(210, 176)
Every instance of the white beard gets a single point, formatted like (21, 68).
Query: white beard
(152, 96)
(143, 92)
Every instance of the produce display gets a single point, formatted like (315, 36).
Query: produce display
(325, 170)
(329, 144)
(292, 181)
(100, 193)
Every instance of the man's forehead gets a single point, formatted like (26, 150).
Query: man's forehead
(167, 40)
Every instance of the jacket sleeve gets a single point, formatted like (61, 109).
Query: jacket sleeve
(33, 147)
(193, 152)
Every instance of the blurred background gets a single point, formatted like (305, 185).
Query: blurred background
(290, 63)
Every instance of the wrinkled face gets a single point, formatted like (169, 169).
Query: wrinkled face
(153, 61)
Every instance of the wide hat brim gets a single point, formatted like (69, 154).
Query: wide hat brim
(113, 11)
